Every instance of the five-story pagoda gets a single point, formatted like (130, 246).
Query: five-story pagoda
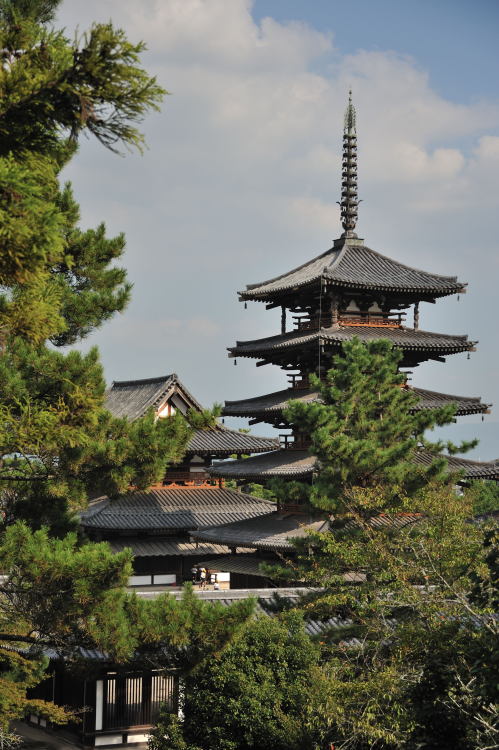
(350, 290)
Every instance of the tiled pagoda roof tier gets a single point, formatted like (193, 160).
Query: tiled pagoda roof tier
(417, 345)
(281, 463)
(352, 265)
(170, 509)
(300, 464)
(272, 531)
(134, 398)
(270, 406)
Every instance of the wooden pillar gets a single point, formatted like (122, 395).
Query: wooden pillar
(283, 319)
(334, 310)
(416, 316)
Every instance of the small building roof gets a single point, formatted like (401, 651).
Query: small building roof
(157, 547)
(272, 404)
(272, 531)
(407, 339)
(353, 265)
(180, 508)
(134, 398)
(222, 441)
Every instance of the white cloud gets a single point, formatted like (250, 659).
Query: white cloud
(242, 178)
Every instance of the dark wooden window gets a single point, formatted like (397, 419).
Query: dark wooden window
(135, 699)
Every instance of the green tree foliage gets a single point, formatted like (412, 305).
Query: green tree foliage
(58, 445)
(66, 597)
(400, 564)
(256, 696)
(484, 496)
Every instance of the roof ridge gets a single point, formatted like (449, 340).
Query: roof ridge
(145, 381)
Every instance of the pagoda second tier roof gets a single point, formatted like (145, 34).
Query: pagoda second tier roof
(407, 339)
(272, 405)
(353, 265)
(300, 464)
(167, 509)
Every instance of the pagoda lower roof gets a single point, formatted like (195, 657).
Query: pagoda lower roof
(167, 509)
(353, 265)
(300, 464)
(273, 531)
(272, 405)
(407, 339)
(280, 463)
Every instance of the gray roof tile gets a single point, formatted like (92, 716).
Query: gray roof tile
(272, 404)
(134, 398)
(223, 441)
(157, 547)
(299, 464)
(277, 463)
(406, 339)
(179, 508)
(356, 266)
(272, 531)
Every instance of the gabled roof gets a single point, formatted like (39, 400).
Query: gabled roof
(178, 508)
(134, 398)
(272, 531)
(407, 339)
(272, 404)
(299, 464)
(356, 266)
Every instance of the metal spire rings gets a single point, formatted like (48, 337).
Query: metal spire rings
(349, 202)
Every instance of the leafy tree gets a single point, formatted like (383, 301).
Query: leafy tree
(484, 496)
(397, 564)
(65, 597)
(58, 445)
(256, 696)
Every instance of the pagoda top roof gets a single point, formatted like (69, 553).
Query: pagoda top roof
(351, 264)
(300, 464)
(273, 404)
(407, 339)
(134, 398)
(165, 508)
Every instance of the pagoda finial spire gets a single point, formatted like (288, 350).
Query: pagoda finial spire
(349, 202)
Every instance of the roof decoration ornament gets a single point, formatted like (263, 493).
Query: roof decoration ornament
(349, 202)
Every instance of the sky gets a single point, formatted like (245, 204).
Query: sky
(241, 176)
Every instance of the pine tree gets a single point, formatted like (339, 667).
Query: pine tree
(397, 564)
(58, 444)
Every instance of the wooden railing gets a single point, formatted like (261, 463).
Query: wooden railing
(190, 479)
(381, 320)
